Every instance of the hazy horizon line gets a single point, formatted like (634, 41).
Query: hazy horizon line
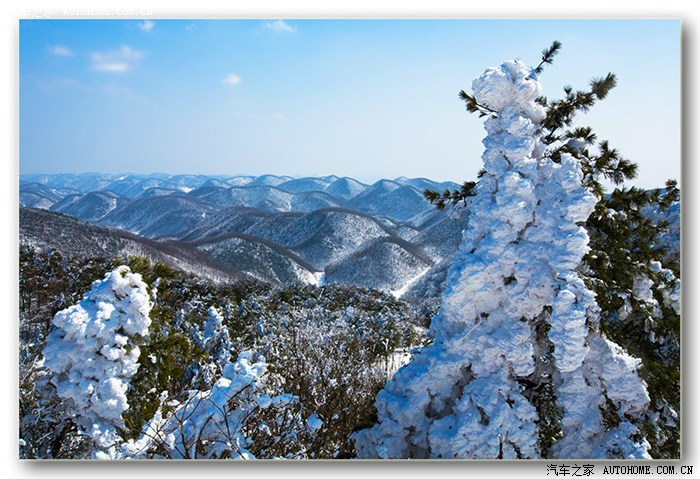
(236, 175)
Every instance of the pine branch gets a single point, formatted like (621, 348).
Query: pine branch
(584, 133)
(600, 87)
(474, 107)
(548, 55)
(452, 198)
(670, 195)
(612, 166)
(561, 113)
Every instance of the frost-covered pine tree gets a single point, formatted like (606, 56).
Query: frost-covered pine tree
(92, 354)
(517, 367)
(215, 341)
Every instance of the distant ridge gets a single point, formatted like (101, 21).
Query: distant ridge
(73, 237)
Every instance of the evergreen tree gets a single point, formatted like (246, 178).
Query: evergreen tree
(633, 265)
(518, 367)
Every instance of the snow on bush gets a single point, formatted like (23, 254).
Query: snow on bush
(516, 318)
(91, 355)
(215, 340)
(228, 421)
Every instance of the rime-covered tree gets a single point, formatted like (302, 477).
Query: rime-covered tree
(92, 353)
(215, 341)
(518, 367)
(633, 265)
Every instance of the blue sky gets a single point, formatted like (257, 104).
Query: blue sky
(361, 98)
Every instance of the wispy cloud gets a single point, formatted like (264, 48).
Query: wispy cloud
(232, 79)
(280, 26)
(147, 25)
(60, 51)
(278, 116)
(120, 60)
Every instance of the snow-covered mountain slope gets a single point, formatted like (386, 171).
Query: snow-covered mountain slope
(388, 264)
(345, 188)
(387, 198)
(239, 180)
(335, 234)
(133, 186)
(233, 219)
(320, 237)
(91, 206)
(400, 200)
(425, 183)
(261, 259)
(441, 235)
(37, 195)
(157, 191)
(159, 217)
(269, 180)
(304, 184)
(341, 188)
(356, 233)
(84, 182)
(267, 198)
(73, 237)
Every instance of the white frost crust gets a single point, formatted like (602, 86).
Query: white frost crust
(89, 354)
(642, 288)
(509, 84)
(607, 372)
(492, 409)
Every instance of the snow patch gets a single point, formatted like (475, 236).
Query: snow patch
(401, 291)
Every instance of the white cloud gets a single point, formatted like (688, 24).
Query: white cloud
(280, 26)
(147, 25)
(232, 79)
(60, 51)
(120, 60)
(278, 116)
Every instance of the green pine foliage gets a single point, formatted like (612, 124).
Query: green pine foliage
(451, 197)
(626, 246)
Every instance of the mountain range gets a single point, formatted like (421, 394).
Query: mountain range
(275, 229)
